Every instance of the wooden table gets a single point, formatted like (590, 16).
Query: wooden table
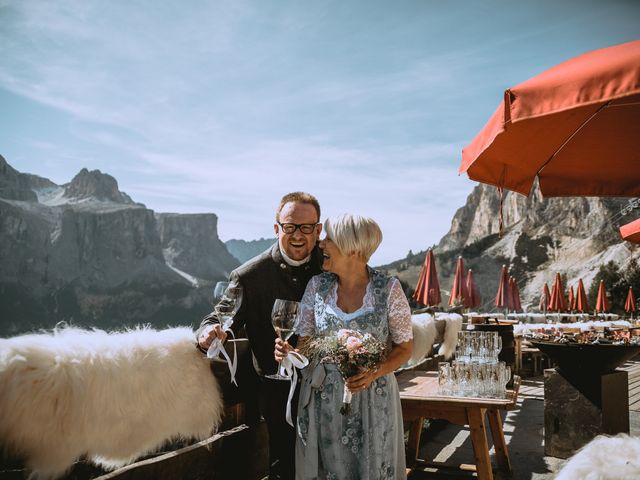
(418, 394)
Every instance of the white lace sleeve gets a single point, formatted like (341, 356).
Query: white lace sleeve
(307, 324)
(399, 314)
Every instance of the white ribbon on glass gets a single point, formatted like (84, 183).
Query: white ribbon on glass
(217, 348)
(287, 369)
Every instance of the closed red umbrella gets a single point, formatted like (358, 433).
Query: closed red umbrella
(428, 288)
(581, 298)
(602, 303)
(631, 231)
(572, 299)
(516, 306)
(459, 293)
(630, 303)
(503, 296)
(545, 298)
(472, 291)
(557, 303)
(574, 126)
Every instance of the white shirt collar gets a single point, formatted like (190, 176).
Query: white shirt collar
(291, 262)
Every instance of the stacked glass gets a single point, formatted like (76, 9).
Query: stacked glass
(476, 371)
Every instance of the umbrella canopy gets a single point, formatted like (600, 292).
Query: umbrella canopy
(459, 293)
(631, 231)
(516, 306)
(557, 303)
(545, 298)
(581, 298)
(574, 126)
(630, 303)
(428, 289)
(472, 291)
(572, 299)
(602, 303)
(503, 299)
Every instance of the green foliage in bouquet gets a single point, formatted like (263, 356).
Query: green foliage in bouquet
(352, 352)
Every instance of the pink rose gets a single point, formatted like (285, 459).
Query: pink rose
(353, 343)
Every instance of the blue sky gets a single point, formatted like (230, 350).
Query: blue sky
(211, 106)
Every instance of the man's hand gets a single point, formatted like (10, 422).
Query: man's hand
(282, 350)
(208, 334)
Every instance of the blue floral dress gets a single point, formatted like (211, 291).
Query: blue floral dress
(368, 443)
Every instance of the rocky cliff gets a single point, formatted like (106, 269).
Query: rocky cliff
(573, 236)
(85, 253)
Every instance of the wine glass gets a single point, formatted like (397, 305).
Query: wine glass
(225, 310)
(284, 318)
(218, 291)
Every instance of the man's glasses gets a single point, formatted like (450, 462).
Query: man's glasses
(305, 228)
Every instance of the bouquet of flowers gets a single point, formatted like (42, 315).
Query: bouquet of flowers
(352, 352)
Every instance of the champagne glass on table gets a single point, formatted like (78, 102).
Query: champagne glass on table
(284, 318)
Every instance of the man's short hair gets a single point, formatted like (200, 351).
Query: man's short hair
(354, 234)
(298, 197)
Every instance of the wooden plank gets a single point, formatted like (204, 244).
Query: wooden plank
(239, 453)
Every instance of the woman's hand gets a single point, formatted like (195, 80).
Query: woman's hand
(361, 381)
(282, 350)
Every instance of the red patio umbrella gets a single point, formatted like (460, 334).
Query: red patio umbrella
(459, 290)
(472, 291)
(557, 303)
(602, 303)
(631, 231)
(630, 303)
(503, 296)
(572, 299)
(581, 298)
(516, 306)
(574, 126)
(545, 298)
(428, 289)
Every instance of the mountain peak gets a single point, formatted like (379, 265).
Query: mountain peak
(93, 184)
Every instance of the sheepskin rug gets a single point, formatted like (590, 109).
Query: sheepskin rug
(424, 335)
(454, 325)
(605, 458)
(108, 396)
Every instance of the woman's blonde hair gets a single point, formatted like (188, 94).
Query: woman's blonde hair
(354, 234)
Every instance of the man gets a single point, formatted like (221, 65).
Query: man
(283, 272)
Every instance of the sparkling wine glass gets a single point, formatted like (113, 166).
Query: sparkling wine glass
(228, 305)
(218, 291)
(284, 318)
(225, 310)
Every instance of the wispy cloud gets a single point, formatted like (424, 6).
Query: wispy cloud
(225, 106)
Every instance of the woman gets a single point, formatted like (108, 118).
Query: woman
(368, 443)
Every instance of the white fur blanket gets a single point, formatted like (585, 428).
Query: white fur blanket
(109, 396)
(605, 458)
(425, 334)
(453, 326)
